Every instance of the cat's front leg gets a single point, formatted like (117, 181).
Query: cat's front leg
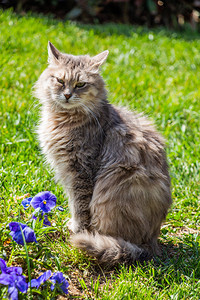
(79, 223)
(81, 218)
(73, 225)
(80, 210)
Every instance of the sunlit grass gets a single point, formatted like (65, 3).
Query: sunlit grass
(153, 71)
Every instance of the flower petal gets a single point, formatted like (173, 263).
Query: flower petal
(14, 270)
(22, 284)
(44, 207)
(64, 286)
(51, 203)
(58, 276)
(6, 279)
(41, 279)
(34, 217)
(44, 277)
(60, 208)
(34, 283)
(46, 222)
(48, 197)
(26, 202)
(35, 202)
(17, 237)
(52, 197)
(29, 235)
(43, 195)
(13, 293)
(15, 226)
(3, 266)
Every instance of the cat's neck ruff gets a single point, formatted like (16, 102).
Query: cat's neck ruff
(71, 118)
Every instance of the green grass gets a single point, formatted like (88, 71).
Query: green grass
(154, 71)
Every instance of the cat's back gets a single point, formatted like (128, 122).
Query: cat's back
(138, 125)
(133, 137)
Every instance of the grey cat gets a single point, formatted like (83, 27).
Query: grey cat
(110, 161)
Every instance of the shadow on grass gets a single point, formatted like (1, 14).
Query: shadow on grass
(112, 29)
(176, 264)
(182, 258)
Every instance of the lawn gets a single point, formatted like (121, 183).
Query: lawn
(151, 71)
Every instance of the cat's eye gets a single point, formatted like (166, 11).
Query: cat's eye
(80, 84)
(60, 81)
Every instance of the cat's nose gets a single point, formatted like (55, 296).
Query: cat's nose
(68, 95)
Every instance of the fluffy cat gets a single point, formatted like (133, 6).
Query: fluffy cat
(110, 161)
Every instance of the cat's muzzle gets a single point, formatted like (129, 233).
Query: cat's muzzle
(68, 96)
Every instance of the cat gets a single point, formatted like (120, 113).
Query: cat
(110, 161)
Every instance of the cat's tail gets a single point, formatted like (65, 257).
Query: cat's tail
(108, 249)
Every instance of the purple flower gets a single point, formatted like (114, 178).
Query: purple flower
(12, 276)
(46, 222)
(3, 266)
(26, 202)
(60, 208)
(59, 279)
(16, 233)
(40, 280)
(45, 201)
(9, 270)
(34, 217)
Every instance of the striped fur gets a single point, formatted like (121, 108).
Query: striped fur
(111, 162)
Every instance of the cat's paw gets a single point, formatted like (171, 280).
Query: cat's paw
(73, 226)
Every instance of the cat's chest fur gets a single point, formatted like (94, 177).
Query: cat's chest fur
(69, 149)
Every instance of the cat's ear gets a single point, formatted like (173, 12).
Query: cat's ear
(53, 54)
(98, 60)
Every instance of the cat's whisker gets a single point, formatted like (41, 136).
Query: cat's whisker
(34, 106)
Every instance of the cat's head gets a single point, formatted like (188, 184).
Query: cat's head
(71, 81)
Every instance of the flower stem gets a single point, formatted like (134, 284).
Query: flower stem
(28, 261)
(10, 258)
